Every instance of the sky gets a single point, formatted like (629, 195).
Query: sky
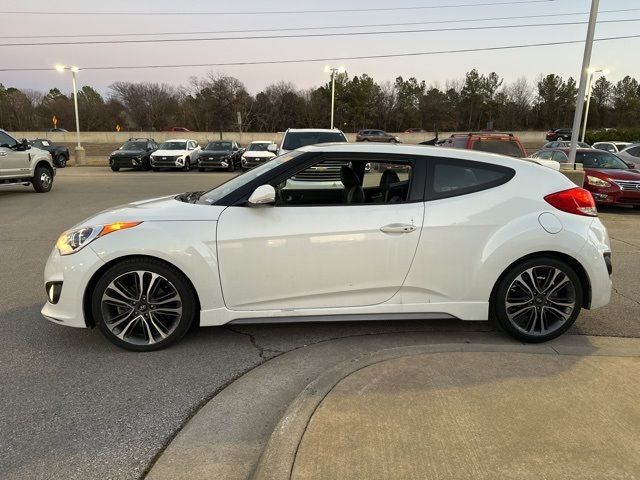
(620, 57)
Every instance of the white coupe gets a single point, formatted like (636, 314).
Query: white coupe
(427, 233)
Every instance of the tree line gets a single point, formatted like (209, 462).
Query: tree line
(211, 103)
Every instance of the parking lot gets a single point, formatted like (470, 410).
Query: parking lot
(75, 406)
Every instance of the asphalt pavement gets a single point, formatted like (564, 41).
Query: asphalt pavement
(75, 406)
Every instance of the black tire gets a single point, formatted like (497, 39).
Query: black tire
(201, 169)
(42, 179)
(393, 140)
(232, 166)
(115, 169)
(636, 207)
(508, 286)
(61, 160)
(365, 139)
(155, 169)
(146, 166)
(187, 165)
(177, 280)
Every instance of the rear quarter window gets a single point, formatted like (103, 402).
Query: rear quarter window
(451, 178)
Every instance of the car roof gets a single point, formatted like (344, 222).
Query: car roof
(329, 130)
(262, 141)
(179, 140)
(404, 149)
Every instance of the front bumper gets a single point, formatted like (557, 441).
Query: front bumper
(253, 162)
(72, 274)
(615, 196)
(167, 162)
(212, 162)
(126, 162)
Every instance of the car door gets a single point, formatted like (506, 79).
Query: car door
(318, 256)
(13, 162)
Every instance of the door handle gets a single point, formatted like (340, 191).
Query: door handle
(398, 228)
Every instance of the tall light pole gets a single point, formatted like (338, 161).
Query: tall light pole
(592, 72)
(333, 71)
(586, 60)
(74, 71)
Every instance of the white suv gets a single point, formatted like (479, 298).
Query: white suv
(301, 137)
(179, 153)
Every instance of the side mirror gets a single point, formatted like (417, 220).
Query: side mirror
(632, 166)
(273, 148)
(263, 195)
(24, 144)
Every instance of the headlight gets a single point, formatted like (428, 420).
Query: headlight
(597, 182)
(75, 240)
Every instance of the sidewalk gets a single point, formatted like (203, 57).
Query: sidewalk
(423, 405)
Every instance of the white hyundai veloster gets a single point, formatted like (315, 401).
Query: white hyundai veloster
(403, 232)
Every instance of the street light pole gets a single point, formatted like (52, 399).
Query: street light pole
(79, 151)
(586, 60)
(333, 71)
(589, 91)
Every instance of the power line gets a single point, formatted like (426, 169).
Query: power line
(308, 35)
(284, 12)
(330, 59)
(326, 27)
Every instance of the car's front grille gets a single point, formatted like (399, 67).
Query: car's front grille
(211, 160)
(628, 185)
(165, 161)
(325, 172)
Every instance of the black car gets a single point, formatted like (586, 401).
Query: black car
(134, 153)
(559, 134)
(220, 154)
(59, 153)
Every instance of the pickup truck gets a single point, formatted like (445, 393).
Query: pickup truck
(21, 164)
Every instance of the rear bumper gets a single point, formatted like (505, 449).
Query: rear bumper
(593, 257)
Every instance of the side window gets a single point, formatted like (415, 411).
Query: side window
(6, 140)
(345, 182)
(546, 155)
(450, 178)
(634, 151)
(559, 157)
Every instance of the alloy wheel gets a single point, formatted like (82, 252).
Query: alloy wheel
(141, 307)
(540, 300)
(45, 179)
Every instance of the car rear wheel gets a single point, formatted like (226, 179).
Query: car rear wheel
(61, 160)
(538, 300)
(115, 169)
(187, 165)
(42, 180)
(232, 166)
(143, 304)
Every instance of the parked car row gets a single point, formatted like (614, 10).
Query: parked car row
(184, 154)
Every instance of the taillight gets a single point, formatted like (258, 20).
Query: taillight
(575, 200)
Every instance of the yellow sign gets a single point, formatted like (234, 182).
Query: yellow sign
(54, 120)
(118, 127)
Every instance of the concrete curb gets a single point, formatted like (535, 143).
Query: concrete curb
(253, 428)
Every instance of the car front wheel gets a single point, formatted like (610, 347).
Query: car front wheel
(42, 180)
(61, 161)
(143, 304)
(538, 300)
(187, 165)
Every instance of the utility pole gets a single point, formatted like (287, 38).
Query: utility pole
(586, 60)
(333, 71)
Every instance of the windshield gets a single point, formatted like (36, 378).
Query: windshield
(600, 159)
(173, 146)
(218, 146)
(510, 148)
(134, 146)
(295, 140)
(258, 147)
(212, 196)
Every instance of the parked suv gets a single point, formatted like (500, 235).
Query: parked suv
(376, 136)
(501, 143)
(559, 134)
(220, 154)
(179, 153)
(134, 153)
(59, 153)
(21, 164)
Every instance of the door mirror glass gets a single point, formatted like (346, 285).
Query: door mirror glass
(273, 148)
(263, 195)
(24, 144)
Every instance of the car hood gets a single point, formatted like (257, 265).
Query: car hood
(216, 152)
(117, 153)
(259, 154)
(170, 153)
(616, 174)
(156, 209)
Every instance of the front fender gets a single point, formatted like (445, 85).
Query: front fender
(188, 245)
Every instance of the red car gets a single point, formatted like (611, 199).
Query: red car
(492, 142)
(610, 180)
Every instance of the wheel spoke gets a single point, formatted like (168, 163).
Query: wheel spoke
(147, 330)
(119, 319)
(562, 314)
(562, 304)
(521, 311)
(159, 329)
(153, 284)
(139, 284)
(168, 311)
(126, 329)
(121, 292)
(115, 301)
(171, 297)
(556, 287)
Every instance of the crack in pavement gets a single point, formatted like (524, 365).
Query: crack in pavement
(637, 247)
(261, 350)
(615, 290)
